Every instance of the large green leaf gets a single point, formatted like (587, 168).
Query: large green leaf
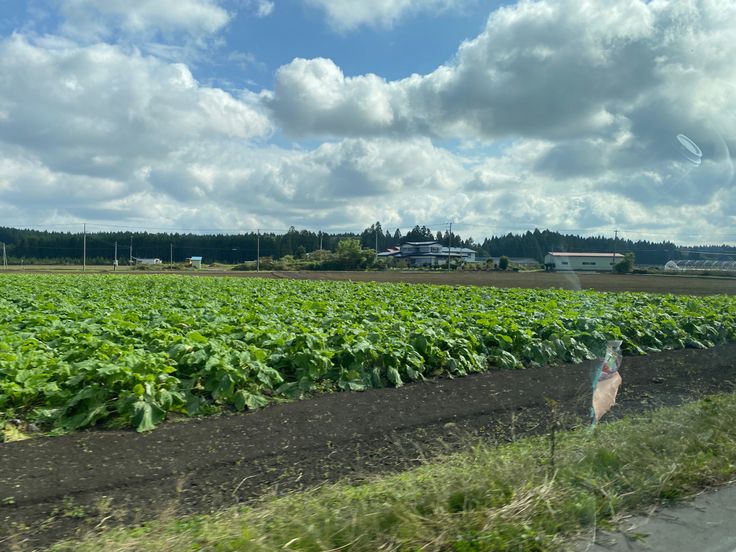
(146, 416)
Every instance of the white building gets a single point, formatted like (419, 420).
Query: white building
(598, 262)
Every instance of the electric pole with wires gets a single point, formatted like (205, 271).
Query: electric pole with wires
(449, 244)
(615, 240)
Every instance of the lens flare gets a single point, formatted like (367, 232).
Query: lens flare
(690, 150)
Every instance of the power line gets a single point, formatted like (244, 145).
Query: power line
(171, 228)
(44, 225)
(179, 230)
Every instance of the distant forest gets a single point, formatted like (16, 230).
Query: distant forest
(49, 247)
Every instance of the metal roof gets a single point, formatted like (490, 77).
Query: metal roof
(459, 250)
(196, 258)
(567, 254)
(692, 264)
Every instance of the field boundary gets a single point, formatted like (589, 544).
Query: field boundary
(651, 283)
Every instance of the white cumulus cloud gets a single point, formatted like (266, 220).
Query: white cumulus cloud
(560, 114)
(101, 112)
(264, 8)
(101, 19)
(313, 96)
(557, 70)
(345, 15)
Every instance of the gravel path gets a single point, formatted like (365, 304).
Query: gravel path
(707, 523)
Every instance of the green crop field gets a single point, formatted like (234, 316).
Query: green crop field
(125, 351)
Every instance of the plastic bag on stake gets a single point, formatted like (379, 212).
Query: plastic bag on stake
(606, 381)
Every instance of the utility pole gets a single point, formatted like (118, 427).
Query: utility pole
(130, 257)
(5, 257)
(449, 245)
(171, 255)
(84, 248)
(615, 240)
(115, 263)
(258, 250)
(320, 240)
(376, 244)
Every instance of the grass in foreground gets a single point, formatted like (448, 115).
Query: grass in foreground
(513, 497)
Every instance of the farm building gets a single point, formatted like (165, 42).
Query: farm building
(139, 261)
(429, 253)
(195, 262)
(598, 262)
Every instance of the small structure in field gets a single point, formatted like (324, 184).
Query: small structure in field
(140, 261)
(194, 262)
(524, 262)
(566, 261)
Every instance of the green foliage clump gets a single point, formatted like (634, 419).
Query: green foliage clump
(349, 256)
(626, 265)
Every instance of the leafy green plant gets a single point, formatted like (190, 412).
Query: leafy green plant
(78, 351)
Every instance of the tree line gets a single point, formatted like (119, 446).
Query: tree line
(48, 247)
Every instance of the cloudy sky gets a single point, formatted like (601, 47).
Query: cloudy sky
(573, 115)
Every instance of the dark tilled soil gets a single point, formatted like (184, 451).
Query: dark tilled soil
(53, 488)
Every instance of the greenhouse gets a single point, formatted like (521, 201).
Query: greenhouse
(720, 266)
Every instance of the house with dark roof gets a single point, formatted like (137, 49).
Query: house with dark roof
(429, 253)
